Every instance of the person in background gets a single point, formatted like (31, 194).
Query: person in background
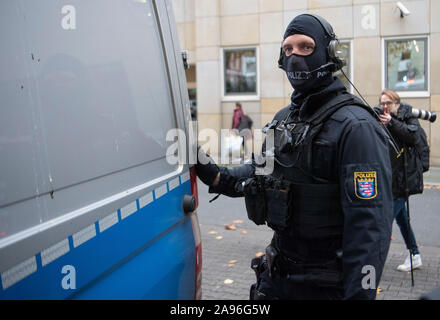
(238, 114)
(241, 127)
(404, 128)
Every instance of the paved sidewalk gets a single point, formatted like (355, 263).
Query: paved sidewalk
(396, 285)
(432, 177)
(228, 260)
(227, 255)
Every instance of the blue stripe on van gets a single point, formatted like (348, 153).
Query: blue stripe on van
(148, 255)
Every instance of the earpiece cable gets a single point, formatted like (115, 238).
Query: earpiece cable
(393, 144)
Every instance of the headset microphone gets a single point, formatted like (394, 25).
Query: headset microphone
(336, 63)
(332, 48)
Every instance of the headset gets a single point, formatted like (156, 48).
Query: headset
(336, 63)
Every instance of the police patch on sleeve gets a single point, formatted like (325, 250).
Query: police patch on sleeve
(365, 184)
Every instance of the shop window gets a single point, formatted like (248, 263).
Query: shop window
(344, 52)
(240, 78)
(406, 65)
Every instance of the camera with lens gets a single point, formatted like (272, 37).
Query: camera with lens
(424, 114)
(378, 110)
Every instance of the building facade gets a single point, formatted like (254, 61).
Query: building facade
(234, 46)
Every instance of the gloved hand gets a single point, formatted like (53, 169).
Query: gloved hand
(206, 168)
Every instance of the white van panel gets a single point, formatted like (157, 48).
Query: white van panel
(83, 115)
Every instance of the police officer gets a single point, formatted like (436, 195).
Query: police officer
(329, 198)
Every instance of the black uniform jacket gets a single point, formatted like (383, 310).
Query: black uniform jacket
(351, 150)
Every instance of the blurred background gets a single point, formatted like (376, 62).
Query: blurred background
(233, 48)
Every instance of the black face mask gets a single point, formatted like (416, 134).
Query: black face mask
(306, 73)
(299, 74)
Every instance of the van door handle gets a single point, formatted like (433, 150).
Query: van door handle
(188, 203)
(185, 59)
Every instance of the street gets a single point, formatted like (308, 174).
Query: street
(227, 253)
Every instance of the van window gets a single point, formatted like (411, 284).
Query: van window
(85, 106)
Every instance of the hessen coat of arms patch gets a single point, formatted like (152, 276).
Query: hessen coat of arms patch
(365, 184)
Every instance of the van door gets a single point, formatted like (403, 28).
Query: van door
(90, 205)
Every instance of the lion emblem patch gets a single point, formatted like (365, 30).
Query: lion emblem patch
(365, 184)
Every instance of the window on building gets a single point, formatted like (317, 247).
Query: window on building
(406, 64)
(344, 52)
(240, 72)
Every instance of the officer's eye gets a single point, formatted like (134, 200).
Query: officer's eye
(308, 47)
(287, 50)
(301, 48)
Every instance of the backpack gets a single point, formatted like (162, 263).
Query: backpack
(245, 123)
(421, 144)
(422, 148)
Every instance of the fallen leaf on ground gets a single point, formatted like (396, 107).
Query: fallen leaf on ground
(231, 265)
(212, 232)
(219, 237)
(230, 227)
(233, 261)
(378, 290)
(259, 254)
(244, 232)
(237, 221)
(429, 186)
(392, 238)
(228, 281)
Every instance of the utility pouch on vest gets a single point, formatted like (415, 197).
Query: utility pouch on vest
(278, 198)
(254, 199)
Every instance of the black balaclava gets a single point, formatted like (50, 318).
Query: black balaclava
(306, 73)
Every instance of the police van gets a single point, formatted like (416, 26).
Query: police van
(90, 205)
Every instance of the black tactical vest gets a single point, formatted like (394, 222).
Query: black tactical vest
(298, 201)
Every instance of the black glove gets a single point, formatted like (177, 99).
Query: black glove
(206, 168)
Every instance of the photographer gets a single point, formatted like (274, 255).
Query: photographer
(405, 130)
